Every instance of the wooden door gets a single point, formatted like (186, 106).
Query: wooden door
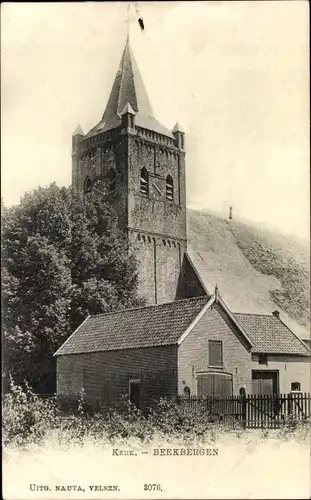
(264, 382)
(134, 390)
(214, 384)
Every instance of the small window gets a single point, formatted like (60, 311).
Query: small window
(182, 141)
(87, 185)
(169, 188)
(215, 357)
(111, 180)
(295, 386)
(144, 182)
(263, 359)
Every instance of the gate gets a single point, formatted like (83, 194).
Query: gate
(266, 411)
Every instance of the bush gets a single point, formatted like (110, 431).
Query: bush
(296, 428)
(26, 418)
(76, 404)
(166, 420)
(180, 419)
(111, 428)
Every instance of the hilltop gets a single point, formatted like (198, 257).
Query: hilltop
(257, 270)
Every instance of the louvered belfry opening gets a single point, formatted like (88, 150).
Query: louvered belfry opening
(169, 188)
(144, 182)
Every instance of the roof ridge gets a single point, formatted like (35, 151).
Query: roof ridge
(121, 68)
(269, 315)
(150, 306)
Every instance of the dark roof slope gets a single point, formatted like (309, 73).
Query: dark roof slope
(270, 335)
(128, 87)
(134, 328)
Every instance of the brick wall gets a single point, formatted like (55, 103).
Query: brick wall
(237, 358)
(105, 376)
(193, 352)
(291, 369)
(94, 157)
(156, 226)
(159, 266)
(155, 214)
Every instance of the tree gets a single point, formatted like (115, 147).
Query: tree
(63, 258)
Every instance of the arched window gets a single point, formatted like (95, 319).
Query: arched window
(144, 181)
(169, 188)
(87, 185)
(186, 392)
(111, 180)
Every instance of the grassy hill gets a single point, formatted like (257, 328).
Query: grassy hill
(256, 269)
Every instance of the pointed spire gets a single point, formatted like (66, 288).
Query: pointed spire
(78, 131)
(128, 87)
(178, 128)
(127, 110)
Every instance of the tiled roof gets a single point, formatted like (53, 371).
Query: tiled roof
(134, 328)
(270, 335)
(128, 87)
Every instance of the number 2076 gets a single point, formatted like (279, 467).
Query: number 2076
(152, 487)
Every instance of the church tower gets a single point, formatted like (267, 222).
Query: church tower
(136, 164)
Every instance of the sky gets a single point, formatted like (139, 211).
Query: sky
(234, 74)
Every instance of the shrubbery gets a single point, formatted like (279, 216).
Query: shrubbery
(297, 429)
(181, 419)
(166, 420)
(28, 419)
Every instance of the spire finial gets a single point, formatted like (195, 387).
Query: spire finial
(128, 22)
(216, 291)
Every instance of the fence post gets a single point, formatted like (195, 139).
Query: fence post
(243, 401)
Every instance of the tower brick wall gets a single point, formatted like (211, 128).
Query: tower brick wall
(109, 160)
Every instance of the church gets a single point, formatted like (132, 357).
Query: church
(138, 165)
(186, 340)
